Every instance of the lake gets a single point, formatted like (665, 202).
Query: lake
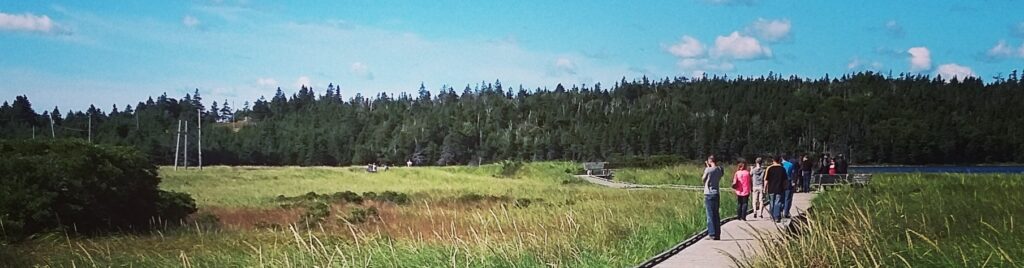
(937, 169)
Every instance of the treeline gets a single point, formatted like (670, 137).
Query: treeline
(873, 118)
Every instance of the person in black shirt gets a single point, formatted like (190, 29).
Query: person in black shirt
(806, 165)
(841, 165)
(775, 185)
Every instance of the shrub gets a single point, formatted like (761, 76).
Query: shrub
(388, 196)
(48, 185)
(360, 215)
(510, 168)
(316, 212)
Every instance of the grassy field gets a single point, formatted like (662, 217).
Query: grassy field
(934, 220)
(682, 174)
(488, 216)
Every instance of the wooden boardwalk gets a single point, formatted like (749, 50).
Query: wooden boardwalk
(739, 239)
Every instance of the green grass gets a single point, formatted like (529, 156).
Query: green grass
(934, 220)
(682, 174)
(569, 223)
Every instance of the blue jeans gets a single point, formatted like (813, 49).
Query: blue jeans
(711, 203)
(742, 206)
(806, 182)
(776, 203)
(788, 203)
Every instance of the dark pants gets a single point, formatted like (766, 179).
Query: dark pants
(711, 203)
(742, 206)
(776, 203)
(805, 181)
(788, 202)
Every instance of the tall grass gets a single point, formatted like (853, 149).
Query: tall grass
(939, 220)
(569, 224)
(682, 174)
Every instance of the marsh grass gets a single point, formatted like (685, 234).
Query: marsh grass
(682, 174)
(456, 216)
(905, 220)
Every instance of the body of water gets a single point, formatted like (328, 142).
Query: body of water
(937, 169)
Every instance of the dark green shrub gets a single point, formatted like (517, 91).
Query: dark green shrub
(49, 185)
(393, 197)
(510, 168)
(346, 196)
(316, 212)
(360, 215)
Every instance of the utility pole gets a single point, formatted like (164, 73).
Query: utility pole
(90, 128)
(52, 134)
(199, 116)
(177, 143)
(185, 163)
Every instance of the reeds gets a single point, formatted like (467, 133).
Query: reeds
(565, 225)
(908, 220)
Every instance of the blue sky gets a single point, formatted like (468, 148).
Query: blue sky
(77, 53)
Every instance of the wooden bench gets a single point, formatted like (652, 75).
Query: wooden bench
(598, 169)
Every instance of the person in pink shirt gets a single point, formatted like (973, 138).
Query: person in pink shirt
(741, 182)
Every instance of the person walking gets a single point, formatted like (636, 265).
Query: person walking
(791, 172)
(832, 167)
(712, 176)
(741, 184)
(757, 176)
(841, 164)
(806, 166)
(775, 185)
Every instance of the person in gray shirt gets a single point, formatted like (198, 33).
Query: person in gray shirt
(712, 175)
(757, 173)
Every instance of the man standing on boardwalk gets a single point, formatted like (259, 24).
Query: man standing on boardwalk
(712, 175)
(791, 173)
(775, 186)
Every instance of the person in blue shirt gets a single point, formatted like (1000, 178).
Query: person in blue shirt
(790, 168)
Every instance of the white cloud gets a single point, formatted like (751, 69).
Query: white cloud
(771, 30)
(894, 29)
(361, 70)
(948, 71)
(740, 47)
(565, 65)
(26, 22)
(858, 64)
(688, 47)
(1004, 50)
(190, 21)
(303, 81)
(266, 82)
(920, 59)
(698, 67)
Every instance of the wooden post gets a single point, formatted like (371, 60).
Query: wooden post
(177, 143)
(199, 116)
(185, 162)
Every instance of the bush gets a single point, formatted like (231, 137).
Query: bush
(510, 168)
(48, 185)
(388, 196)
(316, 212)
(360, 215)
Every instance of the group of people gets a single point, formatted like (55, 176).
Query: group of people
(776, 181)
